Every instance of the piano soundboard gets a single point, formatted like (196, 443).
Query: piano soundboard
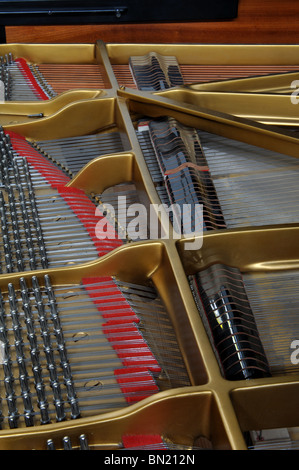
(149, 247)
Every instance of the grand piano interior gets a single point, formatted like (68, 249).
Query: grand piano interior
(125, 325)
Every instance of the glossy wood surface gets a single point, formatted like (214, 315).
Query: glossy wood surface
(267, 21)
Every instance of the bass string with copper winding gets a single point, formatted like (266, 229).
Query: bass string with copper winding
(221, 298)
(178, 166)
(197, 73)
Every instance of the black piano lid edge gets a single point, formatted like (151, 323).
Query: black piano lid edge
(36, 12)
(95, 12)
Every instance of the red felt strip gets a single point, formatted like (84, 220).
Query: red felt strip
(48, 170)
(97, 287)
(131, 347)
(114, 320)
(135, 383)
(143, 440)
(75, 198)
(116, 331)
(134, 361)
(126, 335)
(119, 316)
(85, 211)
(125, 338)
(13, 134)
(25, 69)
